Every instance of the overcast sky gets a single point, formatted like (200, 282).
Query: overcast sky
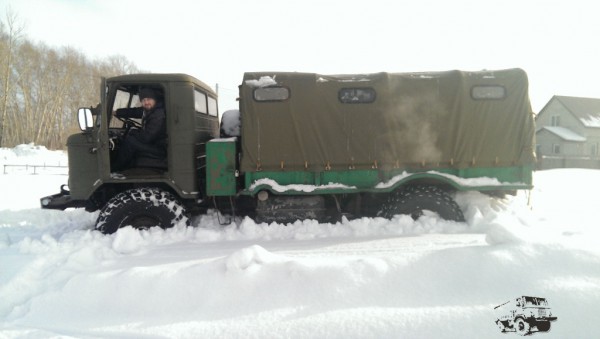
(556, 42)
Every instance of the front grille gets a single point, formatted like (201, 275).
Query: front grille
(542, 312)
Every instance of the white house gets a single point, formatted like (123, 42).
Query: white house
(568, 133)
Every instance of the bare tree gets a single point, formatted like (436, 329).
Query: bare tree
(10, 41)
(42, 87)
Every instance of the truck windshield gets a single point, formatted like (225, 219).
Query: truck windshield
(533, 301)
(124, 99)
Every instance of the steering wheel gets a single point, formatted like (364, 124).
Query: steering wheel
(129, 123)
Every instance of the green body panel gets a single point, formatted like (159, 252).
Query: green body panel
(221, 167)
(374, 181)
(83, 165)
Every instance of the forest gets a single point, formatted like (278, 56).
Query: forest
(41, 87)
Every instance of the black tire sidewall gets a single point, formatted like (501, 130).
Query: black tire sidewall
(159, 207)
(526, 327)
(543, 326)
(413, 200)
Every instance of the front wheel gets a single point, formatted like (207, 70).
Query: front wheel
(413, 200)
(501, 326)
(522, 327)
(141, 208)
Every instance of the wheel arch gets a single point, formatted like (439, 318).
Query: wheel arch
(103, 193)
(429, 179)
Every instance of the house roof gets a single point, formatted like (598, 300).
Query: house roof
(587, 110)
(563, 133)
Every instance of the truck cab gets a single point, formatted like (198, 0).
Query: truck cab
(191, 118)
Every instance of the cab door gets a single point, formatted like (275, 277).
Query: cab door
(86, 152)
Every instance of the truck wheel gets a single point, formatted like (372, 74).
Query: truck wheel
(543, 326)
(522, 327)
(413, 200)
(141, 208)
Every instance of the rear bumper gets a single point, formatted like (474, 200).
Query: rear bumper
(60, 201)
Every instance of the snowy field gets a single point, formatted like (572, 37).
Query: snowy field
(368, 278)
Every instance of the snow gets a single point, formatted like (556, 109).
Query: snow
(264, 81)
(343, 78)
(565, 133)
(591, 120)
(299, 188)
(232, 139)
(231, 123)
(465, 182)
(364, 278)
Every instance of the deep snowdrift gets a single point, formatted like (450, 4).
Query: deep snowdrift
(367, 278)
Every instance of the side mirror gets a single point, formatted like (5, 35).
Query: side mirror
(84, 116)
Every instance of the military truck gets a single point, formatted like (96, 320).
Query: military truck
(523, 314)
(307, 146)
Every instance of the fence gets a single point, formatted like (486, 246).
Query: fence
(550, 162)
(36, 169)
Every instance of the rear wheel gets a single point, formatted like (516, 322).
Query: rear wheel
(543, 326)
(141, 208)
(413, 200)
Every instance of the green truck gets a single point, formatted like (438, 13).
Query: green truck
(305, 145)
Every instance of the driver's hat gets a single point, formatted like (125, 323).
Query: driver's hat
(147, 93)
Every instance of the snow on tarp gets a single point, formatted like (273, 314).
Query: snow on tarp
(264, 81)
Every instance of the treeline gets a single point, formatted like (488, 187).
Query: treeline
(42, 87)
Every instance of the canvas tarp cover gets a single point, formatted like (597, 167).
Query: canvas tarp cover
(416, 119)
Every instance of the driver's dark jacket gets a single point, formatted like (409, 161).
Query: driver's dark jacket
(154, 126)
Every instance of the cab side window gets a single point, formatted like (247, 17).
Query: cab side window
(200, 102)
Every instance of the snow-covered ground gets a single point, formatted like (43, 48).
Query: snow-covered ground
(367, 278)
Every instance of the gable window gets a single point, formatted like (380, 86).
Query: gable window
(594, 149)
(555, 120)
(356, 95)
(556, 149)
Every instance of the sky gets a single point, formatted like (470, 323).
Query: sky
(555, 42)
